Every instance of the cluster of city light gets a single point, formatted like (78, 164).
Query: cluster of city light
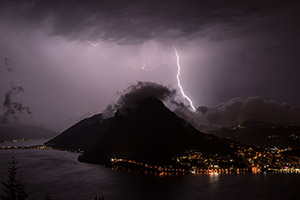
(147, 167)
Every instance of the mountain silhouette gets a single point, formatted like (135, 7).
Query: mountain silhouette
(258, 133)
(82, 135)
(149, 132)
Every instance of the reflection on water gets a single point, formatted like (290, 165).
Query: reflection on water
(213, 181)
(59, 173)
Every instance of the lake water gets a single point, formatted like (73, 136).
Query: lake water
(60, 174)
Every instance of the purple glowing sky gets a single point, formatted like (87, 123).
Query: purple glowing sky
(227, 49)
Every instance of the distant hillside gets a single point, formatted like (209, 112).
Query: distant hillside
(11, 132)
(262, 134)
(149, 132)
(82, 135)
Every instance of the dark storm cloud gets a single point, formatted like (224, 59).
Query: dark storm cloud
(228, 48)
(137, 92)
(13, 108)
(142, 90)
(134, 21)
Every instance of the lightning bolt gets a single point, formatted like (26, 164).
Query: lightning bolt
(143, 67)
(93, 44)
(152, 67)
(178, 80)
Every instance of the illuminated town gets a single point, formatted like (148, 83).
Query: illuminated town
(246, 160)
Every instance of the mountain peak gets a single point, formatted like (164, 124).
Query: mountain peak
(148, 132)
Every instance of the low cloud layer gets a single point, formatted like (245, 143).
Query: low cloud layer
(137, 92)
(142, 90)
(236, 111)
(232, 112)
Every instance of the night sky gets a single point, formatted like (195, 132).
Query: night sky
(70, 59)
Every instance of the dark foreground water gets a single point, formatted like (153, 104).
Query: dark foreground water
(59, 173)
